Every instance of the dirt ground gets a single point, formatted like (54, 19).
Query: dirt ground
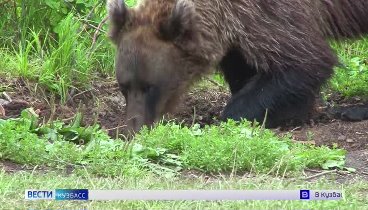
(104, 104)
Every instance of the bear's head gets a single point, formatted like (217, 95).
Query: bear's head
(157, 47)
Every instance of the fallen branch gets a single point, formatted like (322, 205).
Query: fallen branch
(97, 32)
(72, 96)
(297, 128)
(2, 111)
(312, 170)
(115, 128)
(318, 175)
(7, 97)
(91, 25)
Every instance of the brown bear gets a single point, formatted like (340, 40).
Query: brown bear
(273, 54)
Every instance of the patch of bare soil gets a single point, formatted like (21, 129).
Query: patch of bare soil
(104, 104)
(352, 136)
(11, 167)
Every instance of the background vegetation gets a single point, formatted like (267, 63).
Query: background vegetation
(60, 46)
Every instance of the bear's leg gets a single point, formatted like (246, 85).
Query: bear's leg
(236, 70)
(287, 95)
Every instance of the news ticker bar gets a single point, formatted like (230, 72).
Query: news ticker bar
(85, 194)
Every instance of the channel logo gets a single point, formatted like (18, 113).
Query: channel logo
(304, 194)
(68, 194)
(58, 194)
(40, 194)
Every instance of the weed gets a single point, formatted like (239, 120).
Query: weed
(351, 78)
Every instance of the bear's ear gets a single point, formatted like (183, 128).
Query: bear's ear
(118, 15)
(181, 26)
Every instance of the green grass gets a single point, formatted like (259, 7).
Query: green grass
(57, 53)
(59, 66)
(57, 145)
(165, 150)
(236, 147)
(12, 188)
(352, 78)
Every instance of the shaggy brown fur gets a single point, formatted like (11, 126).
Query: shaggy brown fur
(271, 52)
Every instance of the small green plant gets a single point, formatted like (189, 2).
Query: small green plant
(351, 78)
